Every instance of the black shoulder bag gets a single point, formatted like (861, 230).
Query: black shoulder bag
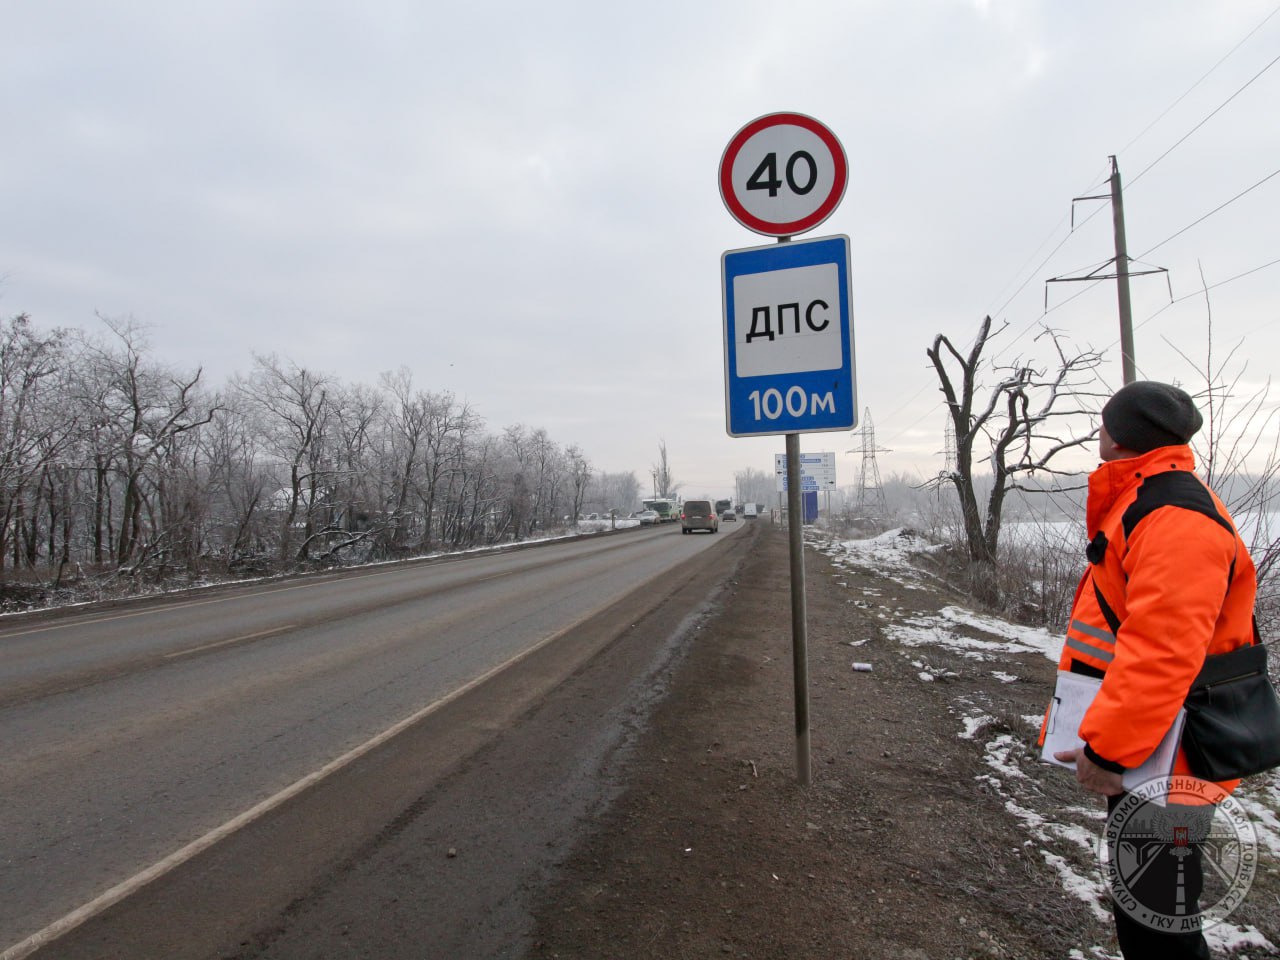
(1233, 717)
(1232, 729)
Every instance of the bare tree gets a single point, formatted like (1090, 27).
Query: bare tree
(357, 492)
(408, 416)
(515, 442)
(148, 409)
(1239, 454)
(294, 408)
(1238, 450)
(550, 473)
(1021, 425)
(620, 490)
(579, 479)
(34, 426)
(664, 484)
(474, 501)
(240, 482)
(108, 456)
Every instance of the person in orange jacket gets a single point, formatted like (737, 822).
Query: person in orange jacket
(1169, 582)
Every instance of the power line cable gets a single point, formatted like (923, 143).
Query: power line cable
(1094, 184)
(1203, 290)
(1265, 20)
(1215, 111)
(1206, 216)
(1140, 135)
(1030, 276)
(1147, 252)
(1221, 206)
(1188, 91)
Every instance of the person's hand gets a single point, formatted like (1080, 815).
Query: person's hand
(1091, 776)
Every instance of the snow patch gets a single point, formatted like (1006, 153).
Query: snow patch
(1065, 837)
(974, 723)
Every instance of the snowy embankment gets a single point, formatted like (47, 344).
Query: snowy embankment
(1066, 838)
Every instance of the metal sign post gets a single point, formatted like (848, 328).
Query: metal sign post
(788, 324)
(799, 612)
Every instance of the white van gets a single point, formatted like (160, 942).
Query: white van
(749, 511)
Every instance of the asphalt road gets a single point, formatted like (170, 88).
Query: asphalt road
(223, 774)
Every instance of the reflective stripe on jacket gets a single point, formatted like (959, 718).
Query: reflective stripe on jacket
(1169, 571)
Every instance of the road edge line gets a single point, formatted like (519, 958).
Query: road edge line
(109, 898)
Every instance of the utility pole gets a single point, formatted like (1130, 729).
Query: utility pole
(1121, 275)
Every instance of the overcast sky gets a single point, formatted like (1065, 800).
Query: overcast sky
(519, 202)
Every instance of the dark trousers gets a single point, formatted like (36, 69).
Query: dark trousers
(1170, 884)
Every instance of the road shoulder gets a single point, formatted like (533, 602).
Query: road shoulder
(901, 848)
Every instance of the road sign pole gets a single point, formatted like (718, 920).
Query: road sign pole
(799, 625)
(781, 175)
(799, 606)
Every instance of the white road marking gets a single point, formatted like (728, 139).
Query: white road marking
(126, 888)
(223, 643)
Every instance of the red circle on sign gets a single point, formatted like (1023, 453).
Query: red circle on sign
(810, 220)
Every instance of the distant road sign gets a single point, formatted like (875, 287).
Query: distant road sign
(788, 338)
(817, 471)
(783, 174)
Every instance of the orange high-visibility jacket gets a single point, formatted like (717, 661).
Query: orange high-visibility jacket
(1167, 565)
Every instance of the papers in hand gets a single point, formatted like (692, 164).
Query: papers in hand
(1071, 699)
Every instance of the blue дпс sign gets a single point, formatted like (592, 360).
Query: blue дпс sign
(788, 348)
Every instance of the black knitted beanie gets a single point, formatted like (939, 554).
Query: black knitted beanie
(1147, 414)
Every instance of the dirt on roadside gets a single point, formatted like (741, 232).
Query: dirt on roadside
(899, 848)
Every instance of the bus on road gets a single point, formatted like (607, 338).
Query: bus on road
(668, 511)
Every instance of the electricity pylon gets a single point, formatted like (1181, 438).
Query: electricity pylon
(870, 490)
(951, 457)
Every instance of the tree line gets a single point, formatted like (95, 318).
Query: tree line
(113, 462)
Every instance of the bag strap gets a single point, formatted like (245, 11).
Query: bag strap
(1098, 549)
(1107, 613)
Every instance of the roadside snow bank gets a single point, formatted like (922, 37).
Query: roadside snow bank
(1066, 839)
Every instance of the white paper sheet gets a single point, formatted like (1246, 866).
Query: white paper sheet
(1071, 699)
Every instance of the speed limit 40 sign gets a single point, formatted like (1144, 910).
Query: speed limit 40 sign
(783, 174)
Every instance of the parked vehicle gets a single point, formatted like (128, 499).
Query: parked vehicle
(698, 515)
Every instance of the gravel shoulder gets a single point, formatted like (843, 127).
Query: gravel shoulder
(925, 832)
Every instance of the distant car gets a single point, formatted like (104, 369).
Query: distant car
(729, 516)
(649, 518)
(698, 515)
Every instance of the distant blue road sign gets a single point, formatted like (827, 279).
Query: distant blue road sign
(807, 484)
(788, 346)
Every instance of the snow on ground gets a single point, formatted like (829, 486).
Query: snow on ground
(1066, 839)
